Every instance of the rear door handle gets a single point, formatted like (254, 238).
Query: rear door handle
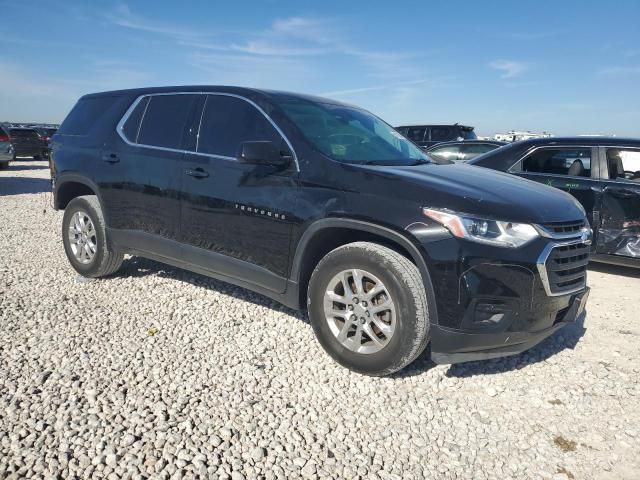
(196, 173)
(111, 158)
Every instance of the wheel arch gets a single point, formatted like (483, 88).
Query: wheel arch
(326, 234)
(70, 186)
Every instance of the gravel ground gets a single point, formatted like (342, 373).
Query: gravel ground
(162, 373)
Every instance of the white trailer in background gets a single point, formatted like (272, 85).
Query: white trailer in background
(515, 135)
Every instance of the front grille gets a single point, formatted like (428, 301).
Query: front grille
(564, 228)
(566, 267)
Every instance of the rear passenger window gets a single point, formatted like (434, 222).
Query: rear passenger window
(416, 134)
(229, 121)
(441, 134)
(84, 115)
(132, 125)
(165, 119)
(571, 162)
(623, 164)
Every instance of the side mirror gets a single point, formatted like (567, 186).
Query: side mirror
(262, 153)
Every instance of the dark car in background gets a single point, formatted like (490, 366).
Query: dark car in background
(45, 135)
(463, 151)
(6, 147)
(27, 143)
(602, 173)
(426, 136)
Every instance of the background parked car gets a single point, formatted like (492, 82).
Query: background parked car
(6, 148)
(426, 136)
(602, 173)
(45, 135)
(463, 150)
(27, 143)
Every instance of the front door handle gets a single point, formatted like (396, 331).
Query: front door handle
(111, 158)
(196, 173)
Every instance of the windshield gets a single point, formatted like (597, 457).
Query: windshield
(350, 135)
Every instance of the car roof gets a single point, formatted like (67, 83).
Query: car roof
(581, 141)
(470, 141)
(425, 125)
(24, 129)
(242, 91)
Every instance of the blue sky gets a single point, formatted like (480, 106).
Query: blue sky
(570, 67)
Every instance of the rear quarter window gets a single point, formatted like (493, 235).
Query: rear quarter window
(131, 126)
(84, 115)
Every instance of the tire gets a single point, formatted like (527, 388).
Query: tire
(4, 165)
(104, 261)
(404, 331)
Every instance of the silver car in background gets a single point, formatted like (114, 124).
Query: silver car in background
(6, 148)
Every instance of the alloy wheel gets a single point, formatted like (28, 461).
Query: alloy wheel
(360, 311)
(83, 238)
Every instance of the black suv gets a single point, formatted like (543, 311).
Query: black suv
(426, 136)
(27, 143)
(321, 205)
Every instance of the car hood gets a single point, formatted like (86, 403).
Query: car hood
(483, 192)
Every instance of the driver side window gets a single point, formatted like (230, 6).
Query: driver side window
(623, 164)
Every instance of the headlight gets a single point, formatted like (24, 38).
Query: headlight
(492, 232)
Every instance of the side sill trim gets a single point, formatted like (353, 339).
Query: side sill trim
(192, 258)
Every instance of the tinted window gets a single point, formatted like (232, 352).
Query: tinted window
(450, 152)
(165, 119)
(416, 134)
(229, 121)
(84, 115)
(348, 134)
(132, 125)
(472, 151)
(624, 164)
(441, 134)
(23, 133)
(573, 162)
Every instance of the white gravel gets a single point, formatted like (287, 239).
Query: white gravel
(162, 373)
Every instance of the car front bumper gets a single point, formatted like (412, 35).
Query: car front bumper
(449, 345)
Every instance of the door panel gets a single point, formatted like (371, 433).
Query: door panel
(145, 172)
(237, 209)
(620, 227)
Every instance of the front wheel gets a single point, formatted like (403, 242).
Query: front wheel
(85, 239)
(368, 307)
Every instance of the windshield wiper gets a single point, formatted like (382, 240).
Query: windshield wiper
(375, 162)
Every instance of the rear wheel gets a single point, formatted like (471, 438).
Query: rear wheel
(367, 305)
(85, 239)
